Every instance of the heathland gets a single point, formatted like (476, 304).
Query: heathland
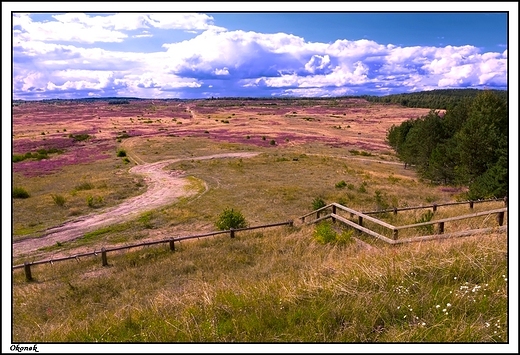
(107, 173)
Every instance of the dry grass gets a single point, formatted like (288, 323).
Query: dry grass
(266, 286)
(273, 286)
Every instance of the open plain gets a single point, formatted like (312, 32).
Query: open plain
(103, 173)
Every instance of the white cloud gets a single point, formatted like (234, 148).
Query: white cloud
(278, 62)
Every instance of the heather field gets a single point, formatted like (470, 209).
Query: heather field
(102, 173)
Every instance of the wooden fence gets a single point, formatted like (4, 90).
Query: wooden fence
(394, 230)
(171, 241)
(334, 207)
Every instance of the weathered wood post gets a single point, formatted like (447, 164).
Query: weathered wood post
(471, 204)
(232, 233)
(505, 201)
(395, 211)
(291, 223)
(334, 212)
(360, 220)
(434, 207)
(172, 244)
(27, 269)
(500, 218)
(318, 214)
(104, 257)
(441, 227)
(396, 234)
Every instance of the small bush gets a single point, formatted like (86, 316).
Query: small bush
(272, 142)
(79, 137)
(59, 200)
(20, 192)
(229, 218)
(325, 234)
(121, 153)
(94, 202)
(84, 186)
(341, 184)
(318, 203)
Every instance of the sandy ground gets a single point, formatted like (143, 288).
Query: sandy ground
(164, 187)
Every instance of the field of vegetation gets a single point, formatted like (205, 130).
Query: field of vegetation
(305, 283)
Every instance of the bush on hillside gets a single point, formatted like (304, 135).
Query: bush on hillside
(229, 218)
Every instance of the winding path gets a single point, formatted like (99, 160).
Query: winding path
(164, 187)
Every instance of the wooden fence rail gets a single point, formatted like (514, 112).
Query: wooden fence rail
(394, 230)
(27, 265)
(434, 206)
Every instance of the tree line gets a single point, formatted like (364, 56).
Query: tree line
(467, 145)
(434, 99)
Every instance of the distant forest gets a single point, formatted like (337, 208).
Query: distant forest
(435, 99)
(467, 145)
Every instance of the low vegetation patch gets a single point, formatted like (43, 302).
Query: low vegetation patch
(20, 192)
(230, 218)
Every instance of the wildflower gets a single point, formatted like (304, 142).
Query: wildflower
(444, 310)
(423, 324)
(448, 305)
(398, 307)
(437, 306)
(487, 325)
(455, 278)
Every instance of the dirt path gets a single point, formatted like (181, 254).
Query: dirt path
(164, 187)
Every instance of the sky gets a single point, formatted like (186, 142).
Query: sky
(260, 52)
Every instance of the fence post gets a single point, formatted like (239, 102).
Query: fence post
(318, 214)
(291, 223)
(396, 234)
(505, 201)
(334, 212)
(434, 207)
(27, 269)
(104, 257)
(500, 218)
(172, 244)
(395, 210)
(360, 220)
(232, 233)
(441, 227)
(471, 204)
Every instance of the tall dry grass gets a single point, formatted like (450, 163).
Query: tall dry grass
(272, 286)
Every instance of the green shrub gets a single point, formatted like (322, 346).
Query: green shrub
(341, 184)
(20, 192)
(318, 203)
(229, 218)
(84, 186)
(94, 202)
(272, 142)
(324, 233)
(79, 137)
(121, 153)
(59, 200)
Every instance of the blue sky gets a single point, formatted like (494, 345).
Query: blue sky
(260, 51)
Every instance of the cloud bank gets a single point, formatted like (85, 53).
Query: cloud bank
(78, 55)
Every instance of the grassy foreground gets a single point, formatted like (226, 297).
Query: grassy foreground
(272, 286)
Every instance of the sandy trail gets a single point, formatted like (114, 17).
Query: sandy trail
(164, 187)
